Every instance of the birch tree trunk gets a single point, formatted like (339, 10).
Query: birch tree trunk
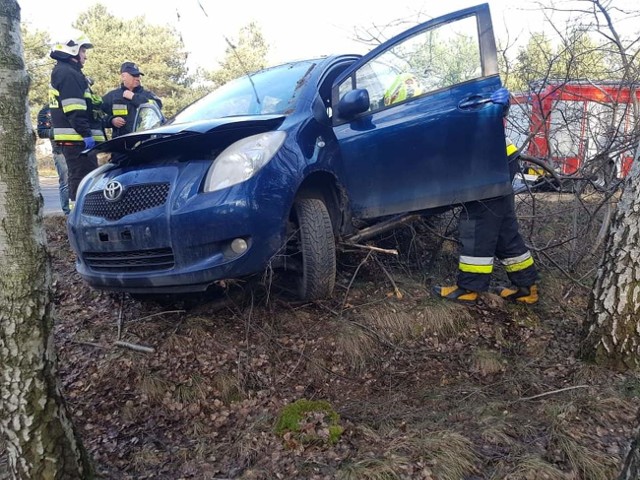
(34, 422)
(611, 333)
(631, 466)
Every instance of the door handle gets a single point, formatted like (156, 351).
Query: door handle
(473, 102)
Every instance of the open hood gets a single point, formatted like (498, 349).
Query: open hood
(137, 141)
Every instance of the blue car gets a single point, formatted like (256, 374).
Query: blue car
(271, 169)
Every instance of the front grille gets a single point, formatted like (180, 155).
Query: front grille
(132, 261)
(134, 199)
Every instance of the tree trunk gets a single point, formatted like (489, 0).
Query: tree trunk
(612, 328)
(631, 467)
(34, 422)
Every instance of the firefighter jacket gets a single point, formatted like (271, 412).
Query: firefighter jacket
(115, 105)
(75, 109)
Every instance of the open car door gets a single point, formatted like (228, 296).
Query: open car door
(415, 127)
(148, 116)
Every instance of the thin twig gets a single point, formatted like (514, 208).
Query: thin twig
(155, 315)
(135, 346)
(90, 344)
(397, 291)
(564, 272)
(355, 274)
(553, 392)
(372, 248)
(120, 315)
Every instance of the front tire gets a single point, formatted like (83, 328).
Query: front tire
(316, 249)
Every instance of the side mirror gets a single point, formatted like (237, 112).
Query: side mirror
(353, 103)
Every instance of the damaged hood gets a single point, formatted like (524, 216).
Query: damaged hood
(230, 127)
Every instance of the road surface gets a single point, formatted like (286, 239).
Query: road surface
(49, 190)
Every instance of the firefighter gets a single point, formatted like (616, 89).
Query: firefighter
(121, 104)
(75, 109)
(488, 229)
(404, 86)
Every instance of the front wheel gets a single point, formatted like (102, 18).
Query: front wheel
(313, 246)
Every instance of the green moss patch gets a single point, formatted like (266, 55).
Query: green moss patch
(309, 422)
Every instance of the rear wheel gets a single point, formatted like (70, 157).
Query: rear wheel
(312, 249)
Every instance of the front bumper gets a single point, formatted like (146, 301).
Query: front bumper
(178, 241)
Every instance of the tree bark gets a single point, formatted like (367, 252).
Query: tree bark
(611, 333)
(631, 466)
(40, 439)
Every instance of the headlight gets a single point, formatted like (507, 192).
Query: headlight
(242, 160)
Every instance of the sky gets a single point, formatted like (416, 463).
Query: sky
(293, 29)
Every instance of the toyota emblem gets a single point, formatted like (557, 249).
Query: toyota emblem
(113, 191)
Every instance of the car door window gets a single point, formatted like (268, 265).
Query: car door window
(433, 59)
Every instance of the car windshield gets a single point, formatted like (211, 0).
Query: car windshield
(271, 91)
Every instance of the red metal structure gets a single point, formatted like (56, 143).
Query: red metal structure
(576, 122)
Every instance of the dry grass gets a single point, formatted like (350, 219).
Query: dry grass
(587, 463)
(252, 443)
(444, 319)
(367, 333)
(154, 386)
(358, 346)
(449, 455)
(227, 387)
(193, 390)
(442, 455)
(532, 467)
(388, 468)
(391, 325)
(487, 362)
(496, 429)
(149, 454)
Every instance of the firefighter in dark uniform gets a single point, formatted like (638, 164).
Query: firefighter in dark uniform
(75, 109)
(121, 104)
(488, 229)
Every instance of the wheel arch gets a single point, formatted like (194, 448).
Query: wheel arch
(324, 185)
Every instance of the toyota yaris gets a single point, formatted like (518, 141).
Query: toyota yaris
(269, 170)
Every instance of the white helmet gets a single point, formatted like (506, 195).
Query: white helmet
(70, 47)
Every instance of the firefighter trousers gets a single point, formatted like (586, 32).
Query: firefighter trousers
(78, 165)
(488, 229)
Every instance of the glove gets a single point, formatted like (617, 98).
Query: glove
(89, 143)
(500, 96)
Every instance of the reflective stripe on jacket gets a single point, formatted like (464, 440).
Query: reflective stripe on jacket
(115, 105)
(75, 109)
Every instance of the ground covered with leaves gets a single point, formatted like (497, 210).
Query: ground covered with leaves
(383, 381)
